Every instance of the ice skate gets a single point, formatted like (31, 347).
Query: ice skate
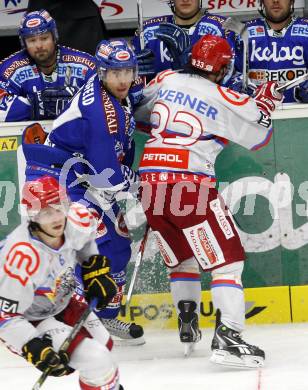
(125, 333)
(188, 326)
(231, 350)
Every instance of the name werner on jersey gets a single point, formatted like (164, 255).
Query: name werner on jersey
(184, 99)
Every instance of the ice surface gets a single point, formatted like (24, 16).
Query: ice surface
(160, 364)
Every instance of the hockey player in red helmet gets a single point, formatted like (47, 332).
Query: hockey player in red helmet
(37, 274)
(193, 118)
(47, 205)
(212, 55)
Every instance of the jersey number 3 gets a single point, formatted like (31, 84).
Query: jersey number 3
(183, 128)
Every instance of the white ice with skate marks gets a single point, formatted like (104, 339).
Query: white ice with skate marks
(160, 364)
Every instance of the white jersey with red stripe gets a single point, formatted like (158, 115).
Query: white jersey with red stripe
(38, 281)
(191, 120)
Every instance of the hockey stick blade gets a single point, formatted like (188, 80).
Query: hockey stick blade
(136, 268)
(66, 343)
(292, 83)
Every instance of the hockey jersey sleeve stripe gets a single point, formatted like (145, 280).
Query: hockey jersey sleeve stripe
(265, 141)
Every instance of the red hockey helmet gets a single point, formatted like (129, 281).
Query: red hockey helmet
(211, 53)
(41, 193)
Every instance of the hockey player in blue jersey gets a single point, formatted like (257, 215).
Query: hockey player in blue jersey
(36, 82)
(89, 146)
(277, 48)
(166, 36)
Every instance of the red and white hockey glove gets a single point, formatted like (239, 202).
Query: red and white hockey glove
(267, 97)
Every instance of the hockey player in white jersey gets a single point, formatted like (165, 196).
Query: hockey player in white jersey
(192, 119)
(38, 304)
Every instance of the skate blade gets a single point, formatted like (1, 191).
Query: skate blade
(188, 348)
(225, 358)
(117, 342)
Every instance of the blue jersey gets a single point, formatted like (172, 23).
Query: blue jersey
(97, 127)
(207, 24)
(276, 56)
(20, 77)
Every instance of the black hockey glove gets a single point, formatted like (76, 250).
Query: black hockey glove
(97, 280)
(146, 63)
(301, 92)
(50, 102)
(39, 352)
(177, 42)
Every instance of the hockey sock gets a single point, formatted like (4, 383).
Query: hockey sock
(228, 296)
(185, 283)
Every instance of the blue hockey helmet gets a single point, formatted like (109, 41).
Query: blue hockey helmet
(37, 22)
(114, 54)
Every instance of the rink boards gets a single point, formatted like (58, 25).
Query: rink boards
(267, 191)
(267, 305)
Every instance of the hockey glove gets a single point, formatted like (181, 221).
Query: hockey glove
(34, 134)
(39, 352)
(97, 280)
(178, 43)
(267, 98)
(301, 92)
(48, 103)
(146, 65)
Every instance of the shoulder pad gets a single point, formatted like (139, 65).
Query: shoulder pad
(77, 56)
(156, 20)
(216, 18)
(255, 21)
(301, 21)
(13, 62)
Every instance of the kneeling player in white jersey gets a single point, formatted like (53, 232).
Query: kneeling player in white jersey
(37, 286)
(192, 119)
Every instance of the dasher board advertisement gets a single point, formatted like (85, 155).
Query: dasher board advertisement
(123, 13)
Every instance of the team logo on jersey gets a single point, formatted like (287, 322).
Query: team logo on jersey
(208, 28)
(149, 33)
(256, 31)
(122, 55)
(22, 262)
(300, 30)
(33, 22)
(277, 54)
(171, 157)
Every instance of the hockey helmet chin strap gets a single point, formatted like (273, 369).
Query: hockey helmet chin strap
(172, 6)
(261, 11)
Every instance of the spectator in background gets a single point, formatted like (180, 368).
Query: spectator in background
(277, 48)
(37, 82)
(166, 36)
(79, 22)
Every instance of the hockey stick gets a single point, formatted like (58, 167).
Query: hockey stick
(292, 83)
(140, 24)
(137, 266)
(67, 342)
(240, 29)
